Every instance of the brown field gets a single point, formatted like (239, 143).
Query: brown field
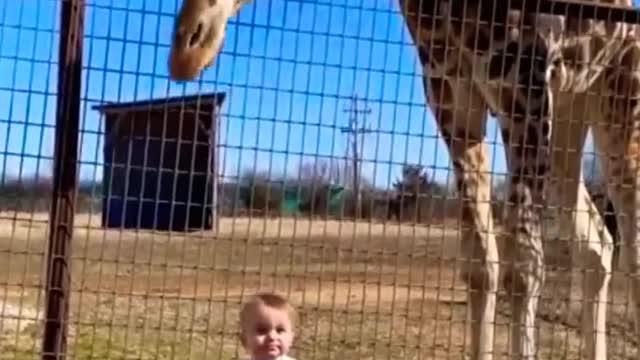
(365, 291)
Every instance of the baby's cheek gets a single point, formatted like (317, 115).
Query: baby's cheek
(288, 341)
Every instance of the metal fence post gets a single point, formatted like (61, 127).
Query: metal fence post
(64, 179)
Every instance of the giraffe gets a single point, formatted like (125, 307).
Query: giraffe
(546, 92)
(479, 58)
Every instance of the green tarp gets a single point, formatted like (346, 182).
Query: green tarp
(293, 199)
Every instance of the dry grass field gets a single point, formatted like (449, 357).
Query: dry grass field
(365, 291)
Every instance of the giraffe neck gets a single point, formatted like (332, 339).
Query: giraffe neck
(450, 32)
(454, 42)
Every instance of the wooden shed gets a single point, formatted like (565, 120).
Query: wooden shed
(159, 161)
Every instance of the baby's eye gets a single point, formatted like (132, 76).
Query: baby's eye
(262, 330)
(280, 329)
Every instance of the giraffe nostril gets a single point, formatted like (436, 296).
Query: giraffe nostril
(195, 37)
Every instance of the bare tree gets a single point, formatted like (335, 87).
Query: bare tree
(413, 191)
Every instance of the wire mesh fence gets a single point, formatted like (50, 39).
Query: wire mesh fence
(309, 158)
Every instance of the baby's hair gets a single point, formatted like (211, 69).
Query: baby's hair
(268, 299)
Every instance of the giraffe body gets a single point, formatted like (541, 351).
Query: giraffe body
(546, 91)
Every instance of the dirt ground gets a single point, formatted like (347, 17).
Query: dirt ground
(364, 291)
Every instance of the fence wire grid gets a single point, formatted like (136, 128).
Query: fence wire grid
(304, 160)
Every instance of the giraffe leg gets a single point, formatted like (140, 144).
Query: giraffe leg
(623, 184)
(594, 253)
(527, 143)
(524, 272)
(619, 139)
(461, 121)
(579, 215)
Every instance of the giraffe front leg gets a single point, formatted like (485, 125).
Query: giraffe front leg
(527, 159)
(593, 247)
(460, 114)
(623, 172)
(619, 139)
(627, 200)
(480, 269)
(592, 253)
(524, 273)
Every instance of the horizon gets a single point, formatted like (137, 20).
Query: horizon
(286, 91)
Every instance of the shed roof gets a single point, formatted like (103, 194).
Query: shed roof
(190, 103)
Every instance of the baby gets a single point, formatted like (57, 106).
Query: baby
(267, 327)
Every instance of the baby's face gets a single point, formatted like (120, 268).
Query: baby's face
(267, 333)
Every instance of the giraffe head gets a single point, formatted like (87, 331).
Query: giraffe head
(198, 34)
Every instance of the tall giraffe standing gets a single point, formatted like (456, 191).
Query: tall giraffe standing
(472, 64)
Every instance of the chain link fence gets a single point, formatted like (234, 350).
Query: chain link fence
(137, 213)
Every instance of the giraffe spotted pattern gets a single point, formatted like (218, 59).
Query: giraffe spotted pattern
(478, 57)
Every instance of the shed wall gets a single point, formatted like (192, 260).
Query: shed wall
(154, 181)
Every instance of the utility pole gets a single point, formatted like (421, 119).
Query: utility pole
(352, 132)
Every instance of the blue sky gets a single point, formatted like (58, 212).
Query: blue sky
(289, 67)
